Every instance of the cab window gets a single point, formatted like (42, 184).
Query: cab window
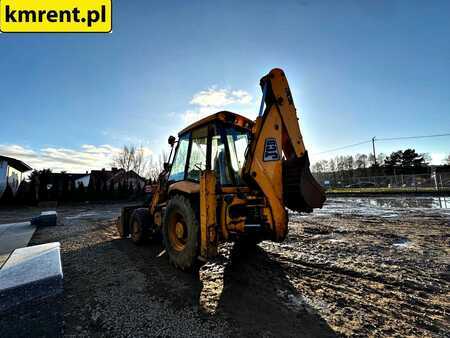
(179, 162)
(197, 159)
(237, 143)
(219, 162)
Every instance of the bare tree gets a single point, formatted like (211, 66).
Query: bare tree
(317, 167)
(361, 161)
(153, 170)
(332, 165)
(427, 158)
(326, 165)
(124, 159)
(380, 158)
(340, 163)
(139, 163)
(320, 166)
(156, 166)
(348, 162)
(448, 159)
(131, 158)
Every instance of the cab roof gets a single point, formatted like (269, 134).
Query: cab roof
(224, 116)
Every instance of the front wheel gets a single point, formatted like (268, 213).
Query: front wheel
(181, 233)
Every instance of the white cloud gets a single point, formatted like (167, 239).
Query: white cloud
(242, 96)
(190, 116)
(214, 99)
(86, 158)
(438, 158)
(18, 150)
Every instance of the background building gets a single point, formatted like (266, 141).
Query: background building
(11, 174)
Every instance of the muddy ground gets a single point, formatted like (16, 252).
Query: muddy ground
(359, 267)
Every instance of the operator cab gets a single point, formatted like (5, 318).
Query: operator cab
(217, 142)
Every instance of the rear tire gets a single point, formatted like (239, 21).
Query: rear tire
(124, 221)
(140, 223)
(181, 233)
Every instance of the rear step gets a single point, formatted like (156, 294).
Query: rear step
(253, 228)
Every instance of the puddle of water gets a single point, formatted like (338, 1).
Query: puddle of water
(383, 207)
(100, 215)
(402, 243)
(82, 215)
(336, 237)
(411, 202)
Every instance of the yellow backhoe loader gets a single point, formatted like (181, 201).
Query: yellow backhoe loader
(229, 179)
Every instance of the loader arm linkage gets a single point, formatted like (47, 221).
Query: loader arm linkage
(277, 160)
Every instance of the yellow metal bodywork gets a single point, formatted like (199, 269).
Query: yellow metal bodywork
(263, 175)
(227, 223)
(269, 175)
(157, 218)
(224, 116)
(158, 197)
(208, 206)
(288, 113)
(279, 122)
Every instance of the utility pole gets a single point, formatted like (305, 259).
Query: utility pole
(374, 153)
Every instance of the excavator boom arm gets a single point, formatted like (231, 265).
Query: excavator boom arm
(277, 160)
(278, 93)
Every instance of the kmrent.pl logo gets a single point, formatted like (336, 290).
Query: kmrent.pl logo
(56, 16)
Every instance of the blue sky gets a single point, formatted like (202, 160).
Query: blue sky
(357, 69)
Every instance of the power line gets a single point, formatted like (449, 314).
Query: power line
(411, 137)
(381, 139)
(344, 147)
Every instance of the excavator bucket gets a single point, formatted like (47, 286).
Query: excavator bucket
(301, 191)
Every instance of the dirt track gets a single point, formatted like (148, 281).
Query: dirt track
(352, 269)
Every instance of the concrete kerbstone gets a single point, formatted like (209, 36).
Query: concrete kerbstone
(15, 235)
(31, 288)
(46, 218)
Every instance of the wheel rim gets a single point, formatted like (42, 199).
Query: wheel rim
(178, 232)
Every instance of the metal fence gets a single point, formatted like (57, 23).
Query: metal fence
(435, 181)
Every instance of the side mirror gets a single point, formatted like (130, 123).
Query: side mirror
(171, 140)
(166, 166)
